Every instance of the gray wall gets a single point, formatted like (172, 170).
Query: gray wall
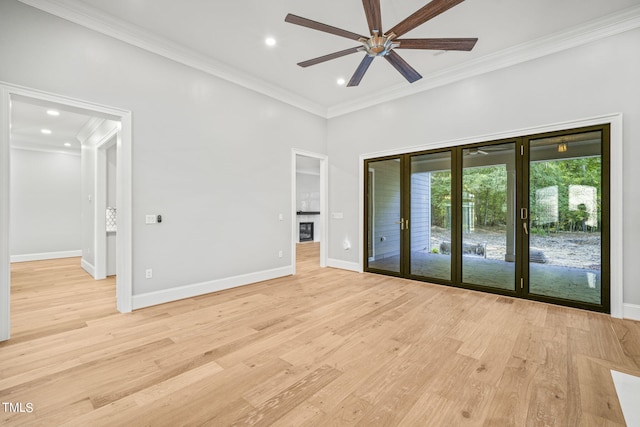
(591, 80)
(208, 155)
(45, 202)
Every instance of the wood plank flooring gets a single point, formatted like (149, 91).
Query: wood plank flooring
(323, 347)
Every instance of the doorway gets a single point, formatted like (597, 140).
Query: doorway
(309, 205)
(8, 94)
(526, 217)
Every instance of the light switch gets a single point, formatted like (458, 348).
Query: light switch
(151, 219)
(337, 215)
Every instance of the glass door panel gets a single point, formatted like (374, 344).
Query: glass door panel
(488, 216)
(384, 215)
(565, 211)
(430, 218)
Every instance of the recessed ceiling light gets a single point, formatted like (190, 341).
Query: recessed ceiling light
(46, 131)
(341, 81)
(53, 112)
(67, 144)
(270, 41)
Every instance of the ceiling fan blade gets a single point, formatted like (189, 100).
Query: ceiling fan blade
(362, 68)
(403, 67)
(422, 15)
(330, 56)
(298, 20)
(374, 18)
(437, 44)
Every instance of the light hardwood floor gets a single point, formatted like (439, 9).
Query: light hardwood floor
(324, 347)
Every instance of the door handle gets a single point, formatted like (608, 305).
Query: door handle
(401, 222)
(526, 230)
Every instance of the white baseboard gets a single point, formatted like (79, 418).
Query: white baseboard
(188, 291)
(45, 255)
(344, 265)
(89, 268)
(631, 311)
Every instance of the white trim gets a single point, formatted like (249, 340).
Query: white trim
(632, 311)
(324, 204)
(124, 284)
(46, 150)
(196, 289)
(88, 267)
(344, 265)
(5, 254)
(46, 255)
(616, 194)
(79, 13)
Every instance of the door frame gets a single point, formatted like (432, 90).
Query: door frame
(100, 191)
(615, 121)
(324, 205)
(124, 285)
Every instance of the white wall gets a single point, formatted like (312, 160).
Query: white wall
(45, 204)
(208, 155)
(591, 80)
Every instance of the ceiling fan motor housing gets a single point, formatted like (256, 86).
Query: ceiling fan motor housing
(379, 45)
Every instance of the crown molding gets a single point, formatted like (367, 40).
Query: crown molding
(609, 25)
(606, 26)
(89, 128)
(78, 13)
(26, 146)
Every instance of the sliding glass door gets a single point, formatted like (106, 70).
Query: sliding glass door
(430, 220)
(384, 216)
(526, 217)
(568, 196)
(488, 216)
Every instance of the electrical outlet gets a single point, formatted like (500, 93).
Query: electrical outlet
(279, 254)
(148, 273)
(151, 219)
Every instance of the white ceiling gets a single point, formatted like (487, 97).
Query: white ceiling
(226, 38)
(29, 117)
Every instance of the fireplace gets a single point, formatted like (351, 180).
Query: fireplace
(306, 231)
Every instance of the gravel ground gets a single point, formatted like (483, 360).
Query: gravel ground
(567, 249)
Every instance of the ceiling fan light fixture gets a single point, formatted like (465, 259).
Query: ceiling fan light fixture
(270, 41)
(341, 81)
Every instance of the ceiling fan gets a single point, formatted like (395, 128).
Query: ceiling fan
(381, 43)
